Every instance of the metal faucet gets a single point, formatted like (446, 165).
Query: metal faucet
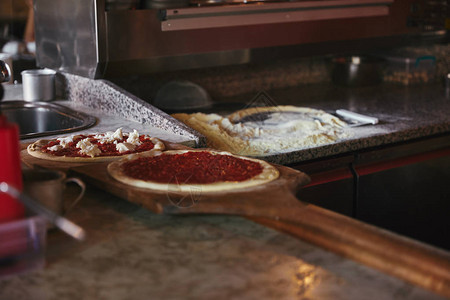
(5, 76)
(5, 72)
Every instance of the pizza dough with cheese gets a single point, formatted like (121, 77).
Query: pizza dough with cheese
(100, 147)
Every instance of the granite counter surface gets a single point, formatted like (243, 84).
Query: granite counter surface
(404, 113)
(131, 253)
(105, 121)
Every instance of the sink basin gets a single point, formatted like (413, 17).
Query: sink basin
(36, 119)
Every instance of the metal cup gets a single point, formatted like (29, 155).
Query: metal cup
(47, 187)
(38, 85)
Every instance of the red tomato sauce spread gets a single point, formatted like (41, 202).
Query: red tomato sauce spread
(191, 167)
(107, 149)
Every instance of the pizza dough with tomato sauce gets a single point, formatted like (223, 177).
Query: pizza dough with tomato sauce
(185, 170)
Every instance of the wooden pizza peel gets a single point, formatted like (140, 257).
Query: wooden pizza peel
(275, 204)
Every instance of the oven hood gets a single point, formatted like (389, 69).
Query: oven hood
(82, 37)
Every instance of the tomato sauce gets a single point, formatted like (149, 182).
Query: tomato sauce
(191, 167)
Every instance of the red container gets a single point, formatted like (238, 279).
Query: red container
(10, 170)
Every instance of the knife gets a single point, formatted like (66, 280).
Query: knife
(359, 118)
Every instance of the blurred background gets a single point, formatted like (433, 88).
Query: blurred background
(17, 35)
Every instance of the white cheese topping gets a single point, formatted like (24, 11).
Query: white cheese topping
(86, 147)
(133, 138)
(118, 135)
(110, 137)
(56, 148)
(124, 147)
(64, 141)
(103, 135)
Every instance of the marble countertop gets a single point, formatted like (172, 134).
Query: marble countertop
(131, 253)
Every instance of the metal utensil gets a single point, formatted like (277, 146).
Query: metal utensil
(62, 223)
(5, 72)
(355, 117)
(5, 76)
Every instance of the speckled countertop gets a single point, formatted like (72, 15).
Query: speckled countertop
(106, 121)
(404, 113)
(132, 253)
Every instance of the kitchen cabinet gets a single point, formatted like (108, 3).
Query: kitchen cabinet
(332, 184)
(404, 188)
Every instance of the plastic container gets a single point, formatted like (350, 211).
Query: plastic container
(22, 246)
(410, 68)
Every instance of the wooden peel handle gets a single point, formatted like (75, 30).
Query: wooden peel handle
(388, 252)
(402, 257)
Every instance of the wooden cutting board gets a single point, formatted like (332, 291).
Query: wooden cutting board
(274, 204)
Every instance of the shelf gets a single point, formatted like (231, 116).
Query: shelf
(269, 13)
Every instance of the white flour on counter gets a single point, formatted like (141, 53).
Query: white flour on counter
(263, 131)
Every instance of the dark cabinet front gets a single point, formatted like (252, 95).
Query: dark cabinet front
(403, 188)
(332, 184)
(409, 195)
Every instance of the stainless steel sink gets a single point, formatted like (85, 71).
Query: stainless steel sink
(36, 119)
